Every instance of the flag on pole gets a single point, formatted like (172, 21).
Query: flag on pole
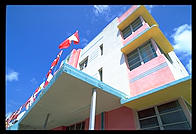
(67, 42)
(29, 102)
(11, 117)
(54, 63)
(74, 38)
(49, 72)
(17, 113)
(48, 80)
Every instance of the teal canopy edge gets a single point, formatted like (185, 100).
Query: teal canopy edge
(78, 74)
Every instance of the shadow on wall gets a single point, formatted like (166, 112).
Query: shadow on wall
(122, 59)
(118, 33)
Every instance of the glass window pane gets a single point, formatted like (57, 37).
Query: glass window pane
(146, 113)
(150, 122)
(126, 32)
(154, 128)
(133, 66)
(133, 55)
(149, 57)
(173, 117)
(180, 126)
(171, 106)
(136, 24)
(133, 59)
(147, 52)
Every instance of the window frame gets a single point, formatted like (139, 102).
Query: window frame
(83, 62)
(101, 49)
(139, 53)
(157, 114)
(131, 27)
(100, 74)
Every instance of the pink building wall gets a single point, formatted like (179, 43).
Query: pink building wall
(152, 80)
(120, 119)
(74, 57)
(127, 13)
(59, 128)
(134, 34)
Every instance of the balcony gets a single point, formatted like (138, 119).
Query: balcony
(152, 32)
(132, 14)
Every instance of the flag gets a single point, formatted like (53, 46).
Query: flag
(11, 117)
(17, 113)
(42, 85)
(48, 80)
(74, 38)
(54, 63)
(49, 72)
(67, 42)
(36, 91)
(57, 59)
(29, 102)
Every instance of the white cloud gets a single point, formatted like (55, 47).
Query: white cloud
(12, 75)
(34, 81)
(183, 39)
(101, 9)
(189, 66)
(84, 42)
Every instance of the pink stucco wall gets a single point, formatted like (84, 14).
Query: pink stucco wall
(151, 81)
(120, 119)
(59, 128)
(74, 57)
(134, 34)
(127, 13)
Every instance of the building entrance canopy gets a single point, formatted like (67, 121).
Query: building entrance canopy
(67, 100)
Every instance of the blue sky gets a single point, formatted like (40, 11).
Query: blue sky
(34, 32)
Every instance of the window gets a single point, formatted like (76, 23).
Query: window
(126, 32)
(100, 74)
(78, 126)
(169, 116)
(84, 63)
(67, 58)
(136, 24)
(141, 55)
(101, 49)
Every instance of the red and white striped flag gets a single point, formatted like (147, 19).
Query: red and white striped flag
(48, 80)
(67, 42)
(17, 112)
(30, 102)
(54, 63)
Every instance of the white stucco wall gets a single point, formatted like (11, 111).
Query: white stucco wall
(112, 61)
(176, 66)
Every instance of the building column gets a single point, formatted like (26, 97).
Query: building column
(92, 110)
